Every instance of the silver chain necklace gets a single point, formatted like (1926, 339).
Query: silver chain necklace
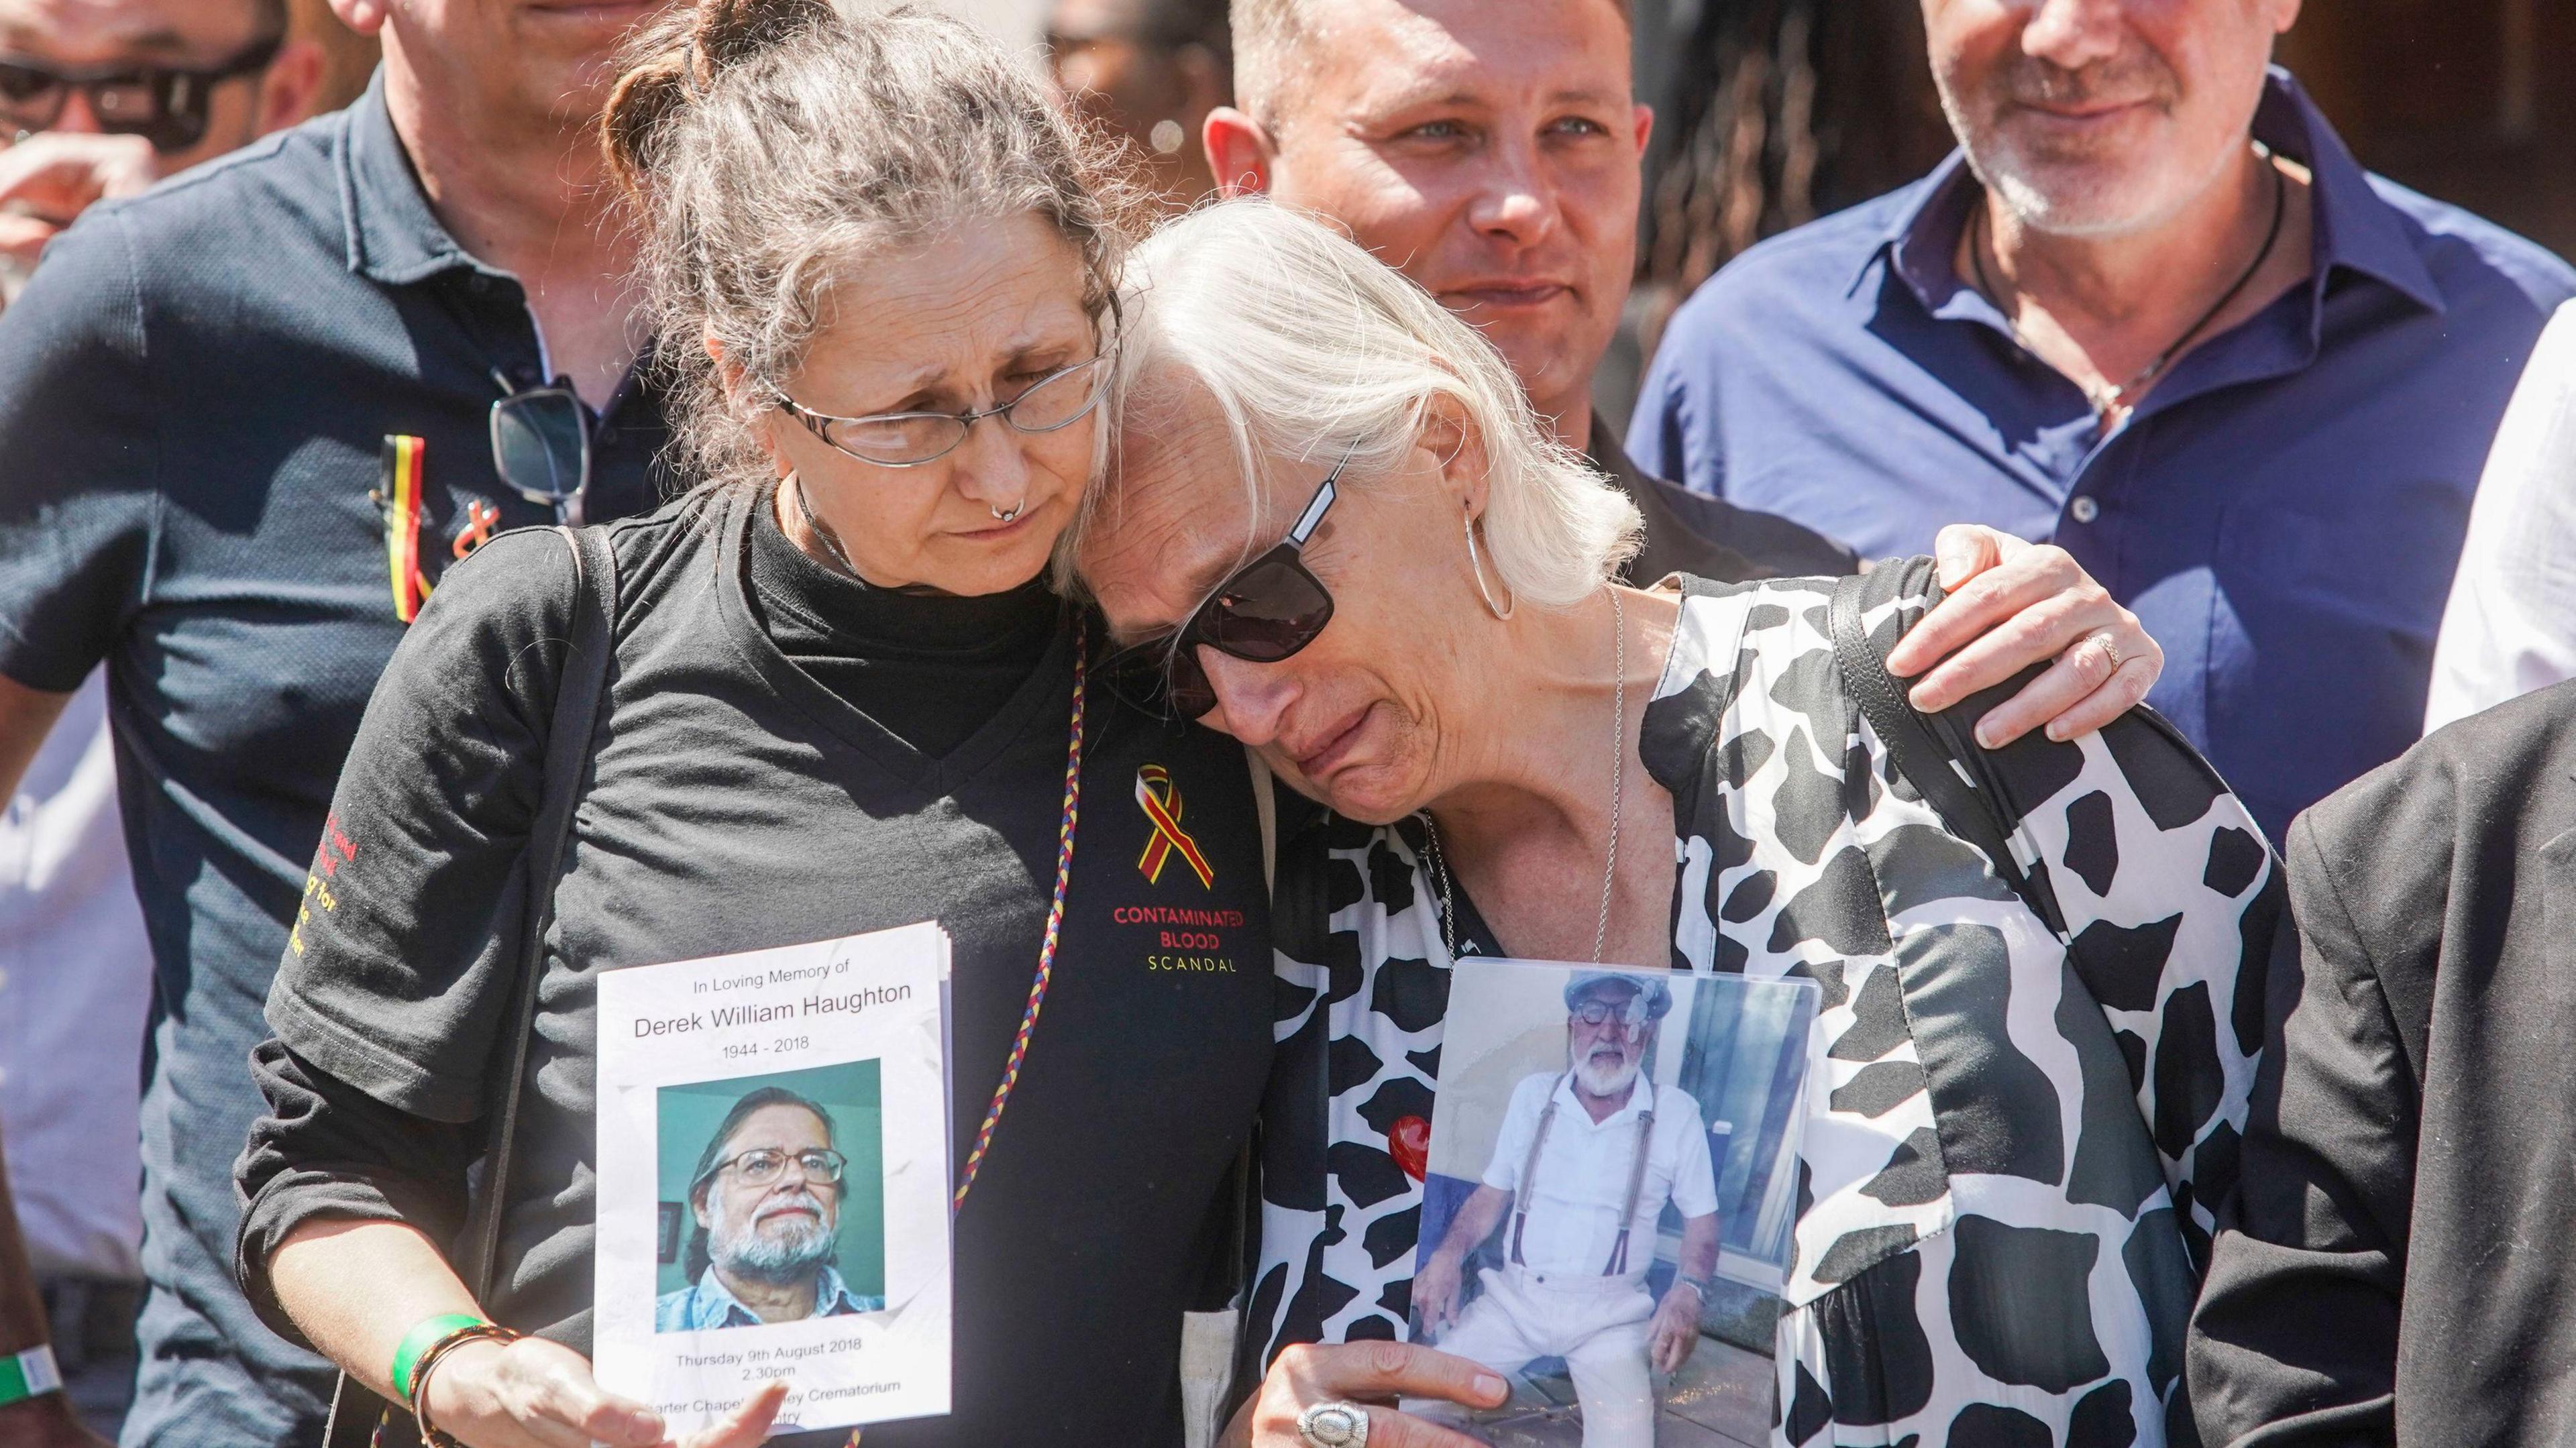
(1439, 856)
(814, 525)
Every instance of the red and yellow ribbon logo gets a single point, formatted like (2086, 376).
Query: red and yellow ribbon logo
(1160, 797)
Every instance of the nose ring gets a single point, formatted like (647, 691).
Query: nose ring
(1009, 517)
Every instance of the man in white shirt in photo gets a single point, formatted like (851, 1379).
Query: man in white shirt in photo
(1582, 1167)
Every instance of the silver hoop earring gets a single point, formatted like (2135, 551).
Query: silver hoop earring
(1476, 566)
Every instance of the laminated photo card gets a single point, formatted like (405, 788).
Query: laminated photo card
(1612, 1173)
(774, 1182)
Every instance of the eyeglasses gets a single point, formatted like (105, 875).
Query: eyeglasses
(761, 1166)
(909, 439)
(541, 444)
(1264, 612)
(1630, 1012)
(164, 105)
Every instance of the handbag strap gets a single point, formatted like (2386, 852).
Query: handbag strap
(568, 739)
(357, 1416)
(1956, 781)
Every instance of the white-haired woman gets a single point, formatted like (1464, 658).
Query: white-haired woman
(1333, 531)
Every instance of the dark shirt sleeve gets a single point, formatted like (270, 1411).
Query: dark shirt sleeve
(327, 1149)
(2295, 1337)
(398, 976)
(79, 507)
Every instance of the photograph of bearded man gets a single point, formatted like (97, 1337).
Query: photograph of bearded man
(1587, 1158)
(766, 1202)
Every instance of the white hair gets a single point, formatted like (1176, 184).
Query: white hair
(1310, 348)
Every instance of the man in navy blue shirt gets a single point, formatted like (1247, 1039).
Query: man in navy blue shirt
(2155, 312)
(246, 419)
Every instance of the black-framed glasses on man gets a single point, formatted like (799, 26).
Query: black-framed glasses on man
(764, 1165)
(165, 105)
(1632, 1012)
(1262, 613)
(541, 445)
(1057, 400)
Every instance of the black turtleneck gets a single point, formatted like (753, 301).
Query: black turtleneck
(930, 668)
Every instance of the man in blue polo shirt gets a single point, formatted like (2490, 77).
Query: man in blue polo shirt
(246, 420)
(2152, 311)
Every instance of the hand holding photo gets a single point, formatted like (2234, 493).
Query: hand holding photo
(1606, 1146)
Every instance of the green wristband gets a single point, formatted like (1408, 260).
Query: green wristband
(28, 1374)
(424, 1337)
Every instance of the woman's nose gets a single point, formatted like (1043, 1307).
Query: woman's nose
(991, 466)
(1251, 699)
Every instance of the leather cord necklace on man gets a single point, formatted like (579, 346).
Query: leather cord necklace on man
(1439, 856)
(2106, 398)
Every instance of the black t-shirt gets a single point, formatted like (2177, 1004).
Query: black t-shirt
(737, 803)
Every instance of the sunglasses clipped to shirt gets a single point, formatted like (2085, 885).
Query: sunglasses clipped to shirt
(541, 445)
(1264, 612)
(165, 105)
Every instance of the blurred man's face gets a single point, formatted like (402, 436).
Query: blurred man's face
(2101, 117)
(550, 61)
(1489, 150)
(1155, 97)
(104, 37)
(777, 1231)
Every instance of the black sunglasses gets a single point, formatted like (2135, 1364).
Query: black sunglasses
(541, 444)
(164, 105)
(1264, 612)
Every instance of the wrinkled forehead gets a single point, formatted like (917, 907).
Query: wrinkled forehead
(1176, 512)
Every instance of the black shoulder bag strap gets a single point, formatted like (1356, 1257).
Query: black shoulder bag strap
(355, 1412)
(1961, 788)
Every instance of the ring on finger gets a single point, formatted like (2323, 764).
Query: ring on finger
(2110, 649)
(1333, 1425)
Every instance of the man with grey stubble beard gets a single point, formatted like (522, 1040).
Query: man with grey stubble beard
(2153, 311)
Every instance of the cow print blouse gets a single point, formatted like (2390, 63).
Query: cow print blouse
(2013, 1140)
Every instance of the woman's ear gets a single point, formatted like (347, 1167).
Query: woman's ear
(1447, 434)
(756, 419)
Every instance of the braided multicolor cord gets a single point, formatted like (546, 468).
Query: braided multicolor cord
(1054, 925)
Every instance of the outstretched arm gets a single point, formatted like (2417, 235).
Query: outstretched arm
(26, 717)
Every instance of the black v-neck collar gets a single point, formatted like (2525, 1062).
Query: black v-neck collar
(1042, 697)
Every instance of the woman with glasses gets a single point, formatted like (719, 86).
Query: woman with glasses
(840, 698)
(1333, 530)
